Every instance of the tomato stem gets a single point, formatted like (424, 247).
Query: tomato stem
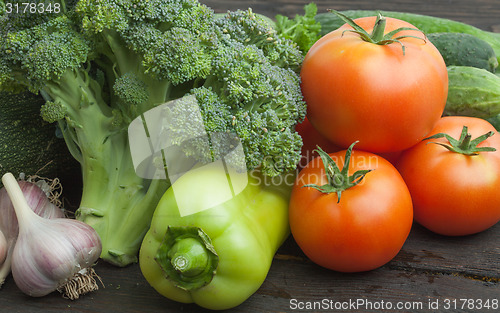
(338, 180)
(378, 35)
(379, 28)
(465, 144)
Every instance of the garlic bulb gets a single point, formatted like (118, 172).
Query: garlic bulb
(51, 254)
(3, 247)
(37, 198)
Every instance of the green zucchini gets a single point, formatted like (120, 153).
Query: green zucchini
(28, 144)
(472, 92)
(427, 24)
(464, 50)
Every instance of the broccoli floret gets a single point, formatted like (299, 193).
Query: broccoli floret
(252, 29)
(131, 93)
(43, 52)
(100, 64)
(53, 111)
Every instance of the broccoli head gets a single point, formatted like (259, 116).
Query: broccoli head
(102, 63)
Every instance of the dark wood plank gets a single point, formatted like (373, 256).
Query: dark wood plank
(428, 268)
(290, 279)
(480, 13)
(474, 257)
(308, 283)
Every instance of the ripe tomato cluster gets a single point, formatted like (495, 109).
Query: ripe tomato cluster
(351, 209)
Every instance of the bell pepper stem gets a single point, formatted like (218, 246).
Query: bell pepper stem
(189, 257)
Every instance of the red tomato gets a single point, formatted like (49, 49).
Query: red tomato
(454, 194)
(362, 231)
(311, 139)
(356, 90)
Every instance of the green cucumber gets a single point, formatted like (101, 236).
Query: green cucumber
(427, 24)
(472, 92)
(28, 144)
(464, 50)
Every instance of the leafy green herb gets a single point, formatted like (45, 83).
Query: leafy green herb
(302, 29)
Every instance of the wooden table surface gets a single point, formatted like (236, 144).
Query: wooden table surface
(430, 270)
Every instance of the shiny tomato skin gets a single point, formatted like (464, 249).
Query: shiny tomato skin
(454, 194)
(357, 90)
(363, 231)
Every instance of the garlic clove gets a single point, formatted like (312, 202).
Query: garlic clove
(4, 247)
(51, 254)
(37, 200)
(36, 194)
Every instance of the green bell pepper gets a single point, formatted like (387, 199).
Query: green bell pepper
(213, 236)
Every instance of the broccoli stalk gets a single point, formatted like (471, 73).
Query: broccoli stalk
(115, 201)
(101, 64)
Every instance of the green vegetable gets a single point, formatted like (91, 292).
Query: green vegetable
(472, 92)
(464, 50)
(495, 121)
(28, 144)
(219, 253)
(101, 64)
(427, 24)
(302, 29)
